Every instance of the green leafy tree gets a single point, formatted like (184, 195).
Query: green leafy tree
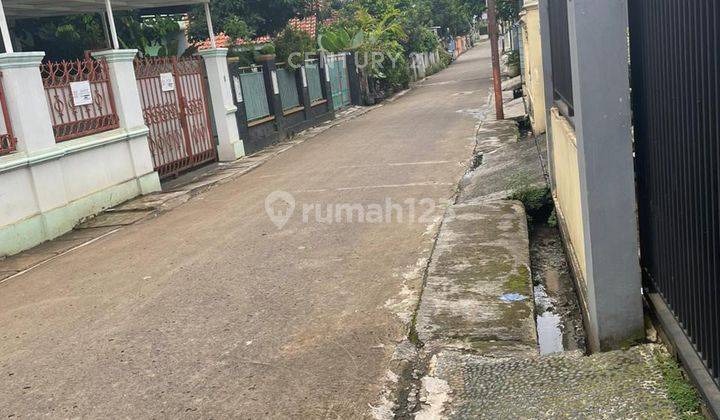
(291, 42)
(260, 16)
(373, 7)
(452, 15)
(236, 28)
(366, 34)
(153, 36)
(61, 37)
(69, 37)
(417, 18)
(508, 10)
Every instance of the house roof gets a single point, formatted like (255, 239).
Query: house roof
(308, 24)
(41, 8)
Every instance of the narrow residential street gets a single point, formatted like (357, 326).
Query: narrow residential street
(212, 311)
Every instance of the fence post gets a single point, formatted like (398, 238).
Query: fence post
(241, 114)
(415, 63)
(272, 88)
(31, 121)
(301, 82)
(129, 109)
(354, 79)
(27, 105)
(230, 145)
(325, 81)
(599, 57)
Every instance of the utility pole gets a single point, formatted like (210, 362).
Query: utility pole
(497, 82)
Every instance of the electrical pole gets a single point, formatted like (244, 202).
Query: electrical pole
(497, 82)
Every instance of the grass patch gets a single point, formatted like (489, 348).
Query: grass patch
(537, 199)
(680, 391)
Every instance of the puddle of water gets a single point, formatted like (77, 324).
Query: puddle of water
(559, 320)
(549, 323)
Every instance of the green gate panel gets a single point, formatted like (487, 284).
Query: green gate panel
(312, 72)
(288, 89)
(254, 95)
(339, 82)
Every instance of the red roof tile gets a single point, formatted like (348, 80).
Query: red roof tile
(308, 24)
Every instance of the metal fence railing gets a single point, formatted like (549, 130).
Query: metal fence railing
(312, 71)
(676, 101)
(254, 93)
(560, 56)
(7, 138)
(80, 97)
(288, 88)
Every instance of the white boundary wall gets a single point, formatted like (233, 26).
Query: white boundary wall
(46, 188)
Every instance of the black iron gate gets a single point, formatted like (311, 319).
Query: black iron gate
(675, 65)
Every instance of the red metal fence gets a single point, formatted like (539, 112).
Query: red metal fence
(7, 138)
(174, 100)
(80, 97)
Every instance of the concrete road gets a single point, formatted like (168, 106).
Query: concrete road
(212, 311)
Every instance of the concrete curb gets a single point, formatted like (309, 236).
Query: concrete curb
(478, 296)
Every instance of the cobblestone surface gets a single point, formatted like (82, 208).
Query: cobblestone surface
(620, 384)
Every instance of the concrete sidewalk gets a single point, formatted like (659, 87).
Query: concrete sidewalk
(212, 311)
(478, 352)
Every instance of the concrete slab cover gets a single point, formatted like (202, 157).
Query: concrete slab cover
(505, 161)
(115, 219)
(481, 258)
(512, 84)
(147, 203)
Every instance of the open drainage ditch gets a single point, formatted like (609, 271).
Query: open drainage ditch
(559, 320)
(559, 317)
(557, 306)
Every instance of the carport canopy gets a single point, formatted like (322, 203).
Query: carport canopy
(21, 9)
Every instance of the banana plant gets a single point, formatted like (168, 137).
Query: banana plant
(369, 34)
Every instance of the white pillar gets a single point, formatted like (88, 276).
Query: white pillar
(111, 21)
(27, 105)
(129, 110)
(230, 146)
(208, 18)
(32, 125)
(4, 30)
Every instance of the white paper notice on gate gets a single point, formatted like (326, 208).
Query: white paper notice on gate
(274, 78)
(81, 93)
(167, 82)
(238, 89)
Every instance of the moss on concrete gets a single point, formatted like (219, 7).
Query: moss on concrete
(482, 255)
(520, 282)
(680, 392)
